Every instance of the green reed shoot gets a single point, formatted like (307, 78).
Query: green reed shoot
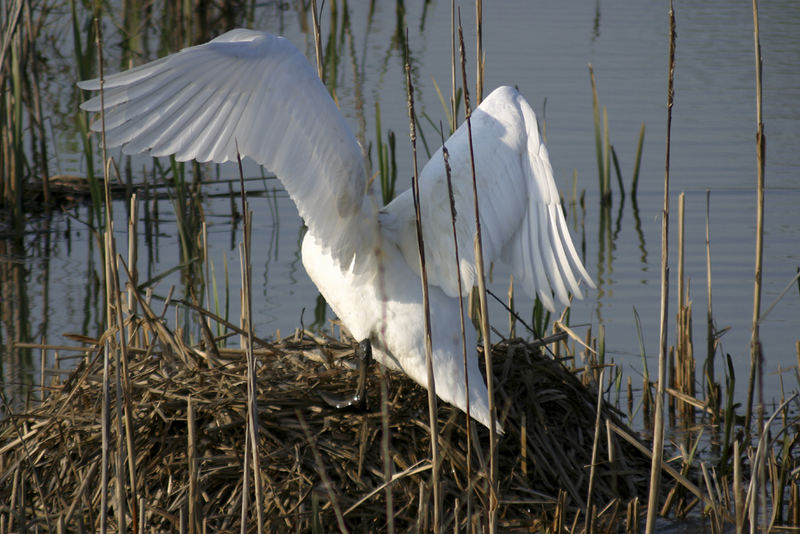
(387, 163)
(540, 318)
(450, 111)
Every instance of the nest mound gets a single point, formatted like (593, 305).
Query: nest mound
(320, 467)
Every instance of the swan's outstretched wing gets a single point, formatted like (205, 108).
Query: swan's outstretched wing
(259, 91)
(521, 218)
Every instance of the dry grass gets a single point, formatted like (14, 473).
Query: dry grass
(316, 463)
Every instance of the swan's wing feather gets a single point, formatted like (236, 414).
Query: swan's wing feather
(521, 218)
(259, 91)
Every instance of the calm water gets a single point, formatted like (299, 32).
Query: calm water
(543, 48)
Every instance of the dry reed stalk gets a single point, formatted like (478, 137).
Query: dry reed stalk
(658, 430)
(716, 511)
(464, 348)
(512, 330)
(479, 264)
(595, 444)
(29, 458)
(684, 353)
(191, 456)
(681, 282)
(755, 501)
(756, 358)
(133, 255)
(738, 490)
(106, 414)
(323, 473)
(252, 385)
(755, 344)
(453, 99)
(479, 58)
(713, 390)
(317, 41)
(387, 459)
(434, 429)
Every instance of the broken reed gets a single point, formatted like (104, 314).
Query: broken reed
(682, 363)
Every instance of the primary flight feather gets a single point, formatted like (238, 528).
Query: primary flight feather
(257, 91)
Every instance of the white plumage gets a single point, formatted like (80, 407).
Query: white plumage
(259, 91)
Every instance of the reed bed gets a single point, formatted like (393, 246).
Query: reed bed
(189, 412)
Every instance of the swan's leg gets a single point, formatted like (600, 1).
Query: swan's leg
(359, 400)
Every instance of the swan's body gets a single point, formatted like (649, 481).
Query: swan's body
(258, 90)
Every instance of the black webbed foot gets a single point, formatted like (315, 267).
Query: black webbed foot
(359, 400)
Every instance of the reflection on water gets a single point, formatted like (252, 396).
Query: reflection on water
(16, 364)
(51, 275)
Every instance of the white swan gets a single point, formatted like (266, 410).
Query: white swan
(258, 90)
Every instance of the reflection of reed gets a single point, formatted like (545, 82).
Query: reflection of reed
(637, 225)
(16, 364)
(605, 256)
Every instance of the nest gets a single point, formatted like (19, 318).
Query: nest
(320, 468)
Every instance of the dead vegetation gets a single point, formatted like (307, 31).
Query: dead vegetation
(318, 465)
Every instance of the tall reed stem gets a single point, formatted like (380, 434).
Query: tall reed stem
(464, 355)
(756, 363)
(427, 310)
(478, 52)
(487, 345)
(252, 387)
(755, 343)
(106, 411)
(658, 430)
